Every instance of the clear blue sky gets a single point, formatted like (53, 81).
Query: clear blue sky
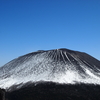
(31, 25)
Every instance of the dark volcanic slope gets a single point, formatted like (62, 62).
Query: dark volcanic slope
(60, 66)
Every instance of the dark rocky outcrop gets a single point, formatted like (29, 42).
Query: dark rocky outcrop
(2, 94)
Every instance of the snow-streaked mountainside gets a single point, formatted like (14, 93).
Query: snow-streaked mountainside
(59, 65)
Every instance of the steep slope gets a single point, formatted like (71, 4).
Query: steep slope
(60, 66)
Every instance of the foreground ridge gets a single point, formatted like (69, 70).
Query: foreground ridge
(54, 91)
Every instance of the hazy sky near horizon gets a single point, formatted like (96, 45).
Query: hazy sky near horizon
(31, 25)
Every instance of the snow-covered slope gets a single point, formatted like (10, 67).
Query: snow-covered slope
(60, 65)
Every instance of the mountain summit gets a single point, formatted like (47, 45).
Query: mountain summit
(59, 66)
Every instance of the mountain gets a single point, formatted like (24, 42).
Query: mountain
(56, 71)
(60, 66)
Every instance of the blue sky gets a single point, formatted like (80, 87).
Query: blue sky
(31, 25)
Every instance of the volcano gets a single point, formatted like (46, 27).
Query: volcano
(59, 74)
